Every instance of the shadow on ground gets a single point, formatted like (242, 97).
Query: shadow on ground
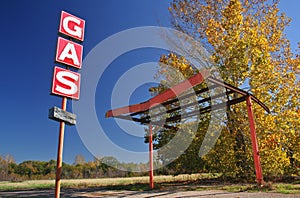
(200, 188)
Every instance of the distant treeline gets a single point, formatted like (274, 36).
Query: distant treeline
(28, 170)
(99, 168)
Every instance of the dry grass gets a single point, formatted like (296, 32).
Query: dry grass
(183, 182)
(79, 183)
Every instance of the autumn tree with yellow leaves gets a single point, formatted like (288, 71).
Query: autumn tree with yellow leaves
(248, 46)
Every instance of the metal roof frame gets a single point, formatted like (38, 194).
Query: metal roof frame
(136, 112)
(139, 112)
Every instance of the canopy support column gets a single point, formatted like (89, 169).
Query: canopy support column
(258, 169)
(151, 157)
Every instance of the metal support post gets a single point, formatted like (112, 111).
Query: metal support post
(258, 169)
(151, 157)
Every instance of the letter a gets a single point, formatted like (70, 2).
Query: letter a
(65, 54)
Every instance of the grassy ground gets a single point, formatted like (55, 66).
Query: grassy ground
(194, 182)
(103, 182)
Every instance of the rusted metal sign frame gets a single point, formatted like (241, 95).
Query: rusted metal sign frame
(169, 96)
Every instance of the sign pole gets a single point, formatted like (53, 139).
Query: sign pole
(65, 82)
(60, 151)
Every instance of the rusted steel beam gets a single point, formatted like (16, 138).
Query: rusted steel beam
(181, 98)
(146, 120)
(237, 90)
(129, 117)
(206, 109)
(189, 104)
(226, 85)
(163, 97)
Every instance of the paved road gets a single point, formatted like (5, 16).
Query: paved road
(144, 194)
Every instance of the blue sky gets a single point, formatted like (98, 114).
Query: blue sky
(29, 34)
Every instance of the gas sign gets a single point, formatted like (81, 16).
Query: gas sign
(65, 82)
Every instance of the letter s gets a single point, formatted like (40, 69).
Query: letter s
(73, 87)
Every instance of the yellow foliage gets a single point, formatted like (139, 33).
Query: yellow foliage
(173, 62)
(248, 44)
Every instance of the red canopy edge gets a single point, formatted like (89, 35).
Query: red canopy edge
(162, 97)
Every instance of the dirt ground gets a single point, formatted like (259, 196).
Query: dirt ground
(94, 192)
